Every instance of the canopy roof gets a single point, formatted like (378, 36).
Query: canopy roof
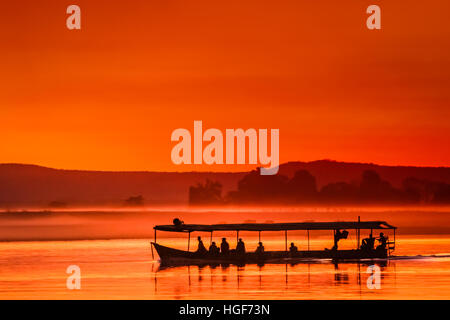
(277, 226)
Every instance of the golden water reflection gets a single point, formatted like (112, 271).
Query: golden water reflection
(425, 279)
(124, 269)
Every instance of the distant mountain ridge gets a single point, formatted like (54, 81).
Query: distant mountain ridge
(31, 185)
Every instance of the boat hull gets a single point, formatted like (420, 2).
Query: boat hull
(180, 257)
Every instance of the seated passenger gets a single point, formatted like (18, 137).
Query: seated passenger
(383, 242)
(240, 247)
(201, 247)
(224, 246)
(260, 248)
(293, 248)
(213, 249)
(368, 243)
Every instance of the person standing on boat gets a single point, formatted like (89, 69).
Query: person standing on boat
(338, 235)
(201, 247)
(240, 247)
(224, 246)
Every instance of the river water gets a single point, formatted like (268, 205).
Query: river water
(125, 268)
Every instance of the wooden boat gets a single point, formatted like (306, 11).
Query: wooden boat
(175, 256)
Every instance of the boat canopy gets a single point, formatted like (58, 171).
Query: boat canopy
(276, 226)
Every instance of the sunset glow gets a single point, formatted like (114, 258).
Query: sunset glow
(107, 97)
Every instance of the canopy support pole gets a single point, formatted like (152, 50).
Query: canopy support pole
(285, 240)
(189, 240)
(237, 236)
(308, 239)
(359, 232)
(210, 239)
(259, 236)
(155, 236)
(394, 239)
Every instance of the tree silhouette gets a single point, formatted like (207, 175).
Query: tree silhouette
(135, 201)
(373, 189)
(208, 193)
(302, 187)
(255, 187)
(425, 191)
(339, 192)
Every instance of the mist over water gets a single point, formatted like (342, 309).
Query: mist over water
(104, 223)
(125, 268)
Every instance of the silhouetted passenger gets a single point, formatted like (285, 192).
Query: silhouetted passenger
(213, 249)
(201, 247)
(368, 243)
(240, 247)
(178, 223)
(293, 248)
(260, 248)
(383, 242)
(224, 246)
(338, 235)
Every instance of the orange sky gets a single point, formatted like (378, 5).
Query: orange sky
(108, 97)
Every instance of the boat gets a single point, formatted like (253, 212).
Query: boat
(174, 256)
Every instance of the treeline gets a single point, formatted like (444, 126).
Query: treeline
(302, 188)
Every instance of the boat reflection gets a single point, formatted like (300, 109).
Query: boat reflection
(247, 278)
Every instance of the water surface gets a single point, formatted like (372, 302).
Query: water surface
(125, 268)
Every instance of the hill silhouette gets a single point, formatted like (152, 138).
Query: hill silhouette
(30, 185)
